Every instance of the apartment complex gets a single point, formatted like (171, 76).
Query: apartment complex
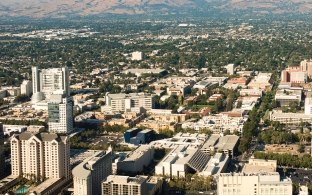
(60, 111)
(125, 185)
(128, 102)
(40, 155)
(89, 174)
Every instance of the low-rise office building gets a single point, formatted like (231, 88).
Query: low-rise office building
(261, 81)
(158, 125)
(285, 96)
(225, 144)
(128, 102)
(139, 72)
(143, 137)
(217, 123)
(175, 163)
(137, 160)
(290, 118)
(181, 139)
(258, 176)
(216, 165)
(125, 185)
(10, 129)
(259, 166)
(253, 183)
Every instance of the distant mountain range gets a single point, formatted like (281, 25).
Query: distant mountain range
(65, 8)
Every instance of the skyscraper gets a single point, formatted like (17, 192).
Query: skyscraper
(40, 156)
(60, 111)
(50, 81)
(51, 92)
(35, 79)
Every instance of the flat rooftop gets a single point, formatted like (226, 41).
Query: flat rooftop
(138, 152)
(118, 179)
(44, 185)
(142, 71)
(227, 142)
(212, 140)
(179, 155)
(130, 95)
(260, 165)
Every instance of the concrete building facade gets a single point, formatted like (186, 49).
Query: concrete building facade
(60, 111)
(253, 183)
(125, 185)
(89, 174)
(137, 160)
(128, 102)
(26, 88)
(50, 81)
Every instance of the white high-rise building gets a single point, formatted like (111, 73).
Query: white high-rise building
(89, 174)
(35, 79)
(50, 81)
(38, 156)
(26, 88)
(230, 69)
(60, 111)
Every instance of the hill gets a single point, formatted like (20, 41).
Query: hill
(64, 8)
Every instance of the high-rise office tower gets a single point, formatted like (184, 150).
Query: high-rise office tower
(40, 156)
(50, 81)
(35, 79)
(60, 109)
(2, 162)
(89, 174)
